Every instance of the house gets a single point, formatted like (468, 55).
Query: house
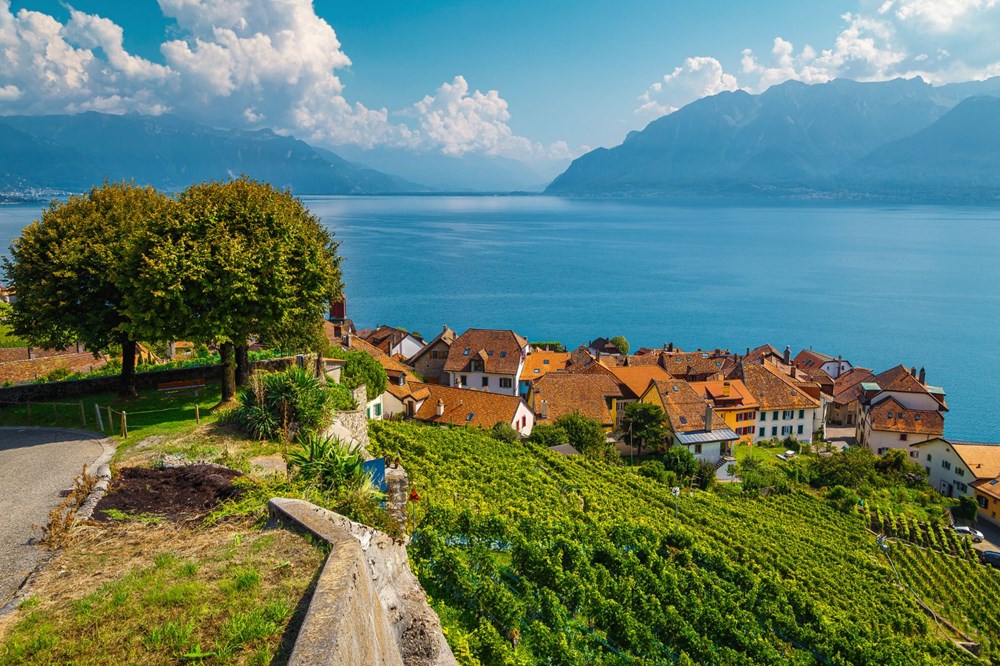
(764, 353)
(394, 341)
(808, 359)
(633, 382)
(594, 394)
(603, 346)
(537, 365)
(844, 405)
(697, 366)
(403, 394)
(732, 400)
(429, 361)
(461, 407)
(579, 359)
(897, 409)
(487, 359)
(954, 468)
(786, 408)
(691, 420)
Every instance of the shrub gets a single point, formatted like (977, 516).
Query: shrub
(327, 462)
(341, 398)
(504, 432)
(680, 461)
(548, 435)
(705, 478)
(280, 404)
(362, 368)
(587, 436)
(967, 508)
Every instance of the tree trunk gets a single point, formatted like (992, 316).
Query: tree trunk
(242, 365)
(126, 381)
(228, 372)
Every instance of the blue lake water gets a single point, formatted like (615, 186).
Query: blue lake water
(879, 285)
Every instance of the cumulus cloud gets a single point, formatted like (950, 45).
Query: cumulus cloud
(697, 78)
(239, 63)
(897, 38)
(458, 121)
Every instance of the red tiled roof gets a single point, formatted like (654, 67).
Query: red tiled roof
(847, 387)
(807, 358)
(899, 379)
(446, 337)
(636, 378)
(500, 351)
(685, 407)
(758, 354)
(589, 393)
(890, 415)
(774, 390)
(739, 395)
(466, 407)
(539, 363)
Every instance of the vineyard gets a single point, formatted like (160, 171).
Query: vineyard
(531, 557)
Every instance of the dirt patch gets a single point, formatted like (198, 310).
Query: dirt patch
(177, 494)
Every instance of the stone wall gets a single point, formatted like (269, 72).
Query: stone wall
(144, 380)
(368, 607)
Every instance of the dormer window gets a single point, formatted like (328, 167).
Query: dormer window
(916, 417)
(466, 352)
(545, 361)
(489, 353)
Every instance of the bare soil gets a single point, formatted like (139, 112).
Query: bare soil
(177, 494)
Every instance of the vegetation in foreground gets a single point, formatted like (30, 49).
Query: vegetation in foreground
(531, 557)
(150, 593)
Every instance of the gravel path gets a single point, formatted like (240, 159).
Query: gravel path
(35, 465)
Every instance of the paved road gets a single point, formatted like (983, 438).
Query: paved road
(35, 465)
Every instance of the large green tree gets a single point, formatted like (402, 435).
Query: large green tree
(241, 258)
(73, 268)
(644, 424)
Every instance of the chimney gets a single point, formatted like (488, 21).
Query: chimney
(440, 408)
(913, 371)
(748, 352)
(670, 346)
(792, 373)
(788, 355)
(708, 416)
(338, 309)
(725, 389)
(923, 375)
(665, 346)
(544, 413)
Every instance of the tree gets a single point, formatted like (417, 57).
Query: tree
(586, 435)
(548, 435)
(620, 343)
(680, 461)
(705, 476)
(967, 508)
(362, 368)
(240, 259)
(74, 267)
(644, 423)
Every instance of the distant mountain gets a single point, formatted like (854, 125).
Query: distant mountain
(467, 173)
(792, 140)
(74, 152)
(960, 152)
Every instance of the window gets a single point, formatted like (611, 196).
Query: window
(503, 354)
(762, 432)
(763, 416)
(505, 382)
(982, 501)
(788, 414)
(774, 431)
(545, 361)
(774, 417)
(697, 449)
(961, 486)
(902, 437)
(928, 457)
(476, 366)
(800, 430)
(913, 454)
(945, 464)
(378, 409)
(486, 381)
(786, 430)
(466, 352)
(465, 380)
(916, 417)
(802, 413)
(959, 471)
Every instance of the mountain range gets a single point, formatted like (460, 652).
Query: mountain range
(842, 139)
(75, 152)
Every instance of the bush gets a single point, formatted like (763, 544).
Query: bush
(680, 461)
(587, 436)
(705, 478)
(548, 436)
(842, 498)
(362, 368)
(341, 398)
(504, 432)
(967, 508)
(281, 404)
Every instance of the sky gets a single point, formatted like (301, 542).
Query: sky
(528, 80)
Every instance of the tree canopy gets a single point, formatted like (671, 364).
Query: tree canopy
(645, 424)
(620, 343)
(362, 368)
(586, 435)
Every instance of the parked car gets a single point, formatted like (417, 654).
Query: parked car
(976, 535)
(990, 557)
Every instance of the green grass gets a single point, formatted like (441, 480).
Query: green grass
(210, 596)
(152, 413)
(768, 454)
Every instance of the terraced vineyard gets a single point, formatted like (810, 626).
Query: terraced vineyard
(531, 557)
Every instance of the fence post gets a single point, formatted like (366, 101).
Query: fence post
(111, 422)
(100, 421)
(124, 426)
(197, 415)
(83, 415)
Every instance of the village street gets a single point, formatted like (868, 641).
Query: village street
(35, 465)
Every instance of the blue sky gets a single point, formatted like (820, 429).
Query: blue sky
(530, 80)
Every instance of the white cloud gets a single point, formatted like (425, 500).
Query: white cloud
(936, 15)
(458, 122)
(698, 77)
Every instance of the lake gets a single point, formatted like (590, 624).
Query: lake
(879, 285)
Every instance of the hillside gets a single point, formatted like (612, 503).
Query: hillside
(530, 557)
(792, 140)
(75, 152)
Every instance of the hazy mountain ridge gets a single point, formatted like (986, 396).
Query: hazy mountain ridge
(75, 152)
(798, 140)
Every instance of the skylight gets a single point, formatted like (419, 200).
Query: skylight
(503, 354)
(684, 420)
(469, 417)
(466, 352)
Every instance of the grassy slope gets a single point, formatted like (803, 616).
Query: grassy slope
(782, 579)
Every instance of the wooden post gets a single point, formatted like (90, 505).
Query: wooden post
(111, 422)
(99, 420)
(124, 426)
(83, 415)
(197, 414)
